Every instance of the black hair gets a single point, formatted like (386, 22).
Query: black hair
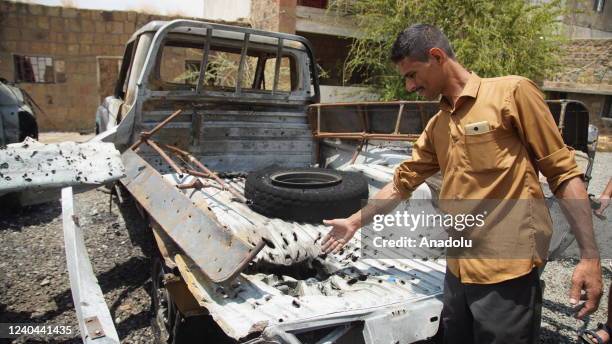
(415, 42)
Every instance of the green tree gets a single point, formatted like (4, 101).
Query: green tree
(491, 38)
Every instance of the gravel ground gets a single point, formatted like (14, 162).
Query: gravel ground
(34, 285)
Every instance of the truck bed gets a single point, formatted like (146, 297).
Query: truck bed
(289, 285)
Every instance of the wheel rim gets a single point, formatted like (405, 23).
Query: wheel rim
(163, 305)
(305, 180)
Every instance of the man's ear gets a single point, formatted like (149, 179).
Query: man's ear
(438, 55)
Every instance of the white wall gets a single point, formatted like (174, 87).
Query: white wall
(229, 10)
(336, 94)
(577, 32)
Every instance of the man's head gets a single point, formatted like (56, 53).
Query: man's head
(421, 53)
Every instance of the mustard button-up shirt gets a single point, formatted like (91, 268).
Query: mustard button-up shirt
(500, 164)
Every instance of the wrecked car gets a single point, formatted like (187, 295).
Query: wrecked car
(199, 109)
(17, 115)
(244, 96)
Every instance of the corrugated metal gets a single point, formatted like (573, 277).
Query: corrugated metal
(355, 287)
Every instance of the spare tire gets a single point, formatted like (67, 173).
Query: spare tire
(305, 194)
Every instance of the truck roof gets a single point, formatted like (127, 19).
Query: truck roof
(226, 31)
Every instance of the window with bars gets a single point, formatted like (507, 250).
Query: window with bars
(34, 69)
(598, 5)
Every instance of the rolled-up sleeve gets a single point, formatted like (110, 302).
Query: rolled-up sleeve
(534, 122)
(411, 173)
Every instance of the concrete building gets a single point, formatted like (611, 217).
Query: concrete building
(586, 76)
(589, 19)
(67, 59)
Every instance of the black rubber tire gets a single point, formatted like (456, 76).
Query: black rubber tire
(305, 204)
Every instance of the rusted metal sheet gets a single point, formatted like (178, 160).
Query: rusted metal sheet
(214, 249)
(31, 165)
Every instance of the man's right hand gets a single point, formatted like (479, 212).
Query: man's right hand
(342, 231)
(587, 277)
(604, 201)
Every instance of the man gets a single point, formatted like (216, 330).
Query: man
(486, 300)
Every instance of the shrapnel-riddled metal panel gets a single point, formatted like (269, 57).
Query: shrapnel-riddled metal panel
(31, 165)
(344, 288)
(238, 138)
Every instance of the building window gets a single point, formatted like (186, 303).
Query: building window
(34, 69)
(313, 3)
(606, 110)
(598, 5)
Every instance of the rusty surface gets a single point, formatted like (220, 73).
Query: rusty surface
(145, 135)
(210, 173)
(367, 136)
(163, 154)
(218, 253)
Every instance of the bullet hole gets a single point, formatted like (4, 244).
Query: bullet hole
(268, 243)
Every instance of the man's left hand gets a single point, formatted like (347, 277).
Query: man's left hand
(587, 277)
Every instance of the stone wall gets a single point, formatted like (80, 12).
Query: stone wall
(80, 42)
(274, 15)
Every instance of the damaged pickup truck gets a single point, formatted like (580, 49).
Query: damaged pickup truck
(238, 240)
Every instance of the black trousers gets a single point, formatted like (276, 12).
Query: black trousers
(505, 312)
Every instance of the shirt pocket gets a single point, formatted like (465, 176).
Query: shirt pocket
(489, 152)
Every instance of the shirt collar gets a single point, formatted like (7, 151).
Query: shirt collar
(469, 90)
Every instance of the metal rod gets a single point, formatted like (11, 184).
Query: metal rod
(424, 102)
(212, 175)
(279, 56)
(204, 63)
(359, 136)
(195, 184)
(399, 119)
(357, 151)
(318, 120)
(164, 156)
(562, 117)
(197, 174)
(245, 45)
(146, 134)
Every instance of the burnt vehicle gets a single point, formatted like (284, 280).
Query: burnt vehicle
(245, 97)
(17, 115)
(199, 109)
